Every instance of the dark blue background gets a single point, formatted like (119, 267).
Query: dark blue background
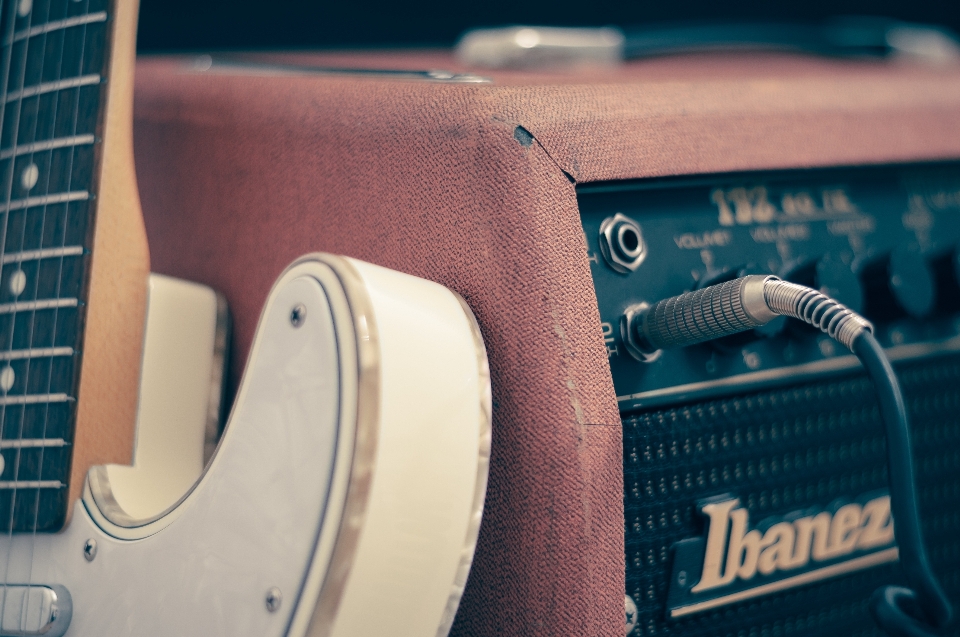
(230, 24)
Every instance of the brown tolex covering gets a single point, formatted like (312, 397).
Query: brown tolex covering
(472, 185)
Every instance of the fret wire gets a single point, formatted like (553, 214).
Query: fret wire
(8, 54)
(56, 25)
(62, 197)
(49, 87)
(48, 144)
(43, 304)
(31, 484)
(33, 443)
(36, 352)
(45, 253)
(33, 399)
(57, 87)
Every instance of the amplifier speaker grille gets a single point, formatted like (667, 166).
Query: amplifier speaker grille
(783, 450)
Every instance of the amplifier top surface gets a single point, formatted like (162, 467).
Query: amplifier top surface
(677, 115)
(717, 67)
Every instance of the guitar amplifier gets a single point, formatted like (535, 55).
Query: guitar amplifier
(732, 488)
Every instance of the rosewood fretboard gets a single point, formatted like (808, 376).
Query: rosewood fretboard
(52, 85)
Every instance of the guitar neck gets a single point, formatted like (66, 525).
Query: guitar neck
(73, 253)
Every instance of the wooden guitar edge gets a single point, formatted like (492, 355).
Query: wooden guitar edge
(117, 299)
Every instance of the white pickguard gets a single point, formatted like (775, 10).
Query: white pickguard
(251, 523)
(277, 506)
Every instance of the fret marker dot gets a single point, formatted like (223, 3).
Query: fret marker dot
(24, 8)
(29, 176)
(6, 378)
(18, 282)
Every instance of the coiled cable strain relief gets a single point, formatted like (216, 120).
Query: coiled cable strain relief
(816, 309)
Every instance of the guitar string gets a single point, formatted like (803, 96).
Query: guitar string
(11, 21)
(18, 108)
(24, 601)
(43, 225)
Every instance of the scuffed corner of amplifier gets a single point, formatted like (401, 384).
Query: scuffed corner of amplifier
(574, 392)
(575, 402)
(526, 139)
(523, 136)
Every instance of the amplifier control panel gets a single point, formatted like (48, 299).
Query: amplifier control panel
(885, 241)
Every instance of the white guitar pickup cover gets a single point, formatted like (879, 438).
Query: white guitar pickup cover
(344, 497)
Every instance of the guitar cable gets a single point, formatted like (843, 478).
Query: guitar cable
(919, 610)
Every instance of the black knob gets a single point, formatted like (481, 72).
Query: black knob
(946, 269)
(897, 284)
(829, 275)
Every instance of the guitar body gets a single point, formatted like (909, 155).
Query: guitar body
(344, 497)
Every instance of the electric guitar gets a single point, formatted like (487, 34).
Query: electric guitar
(342, 497)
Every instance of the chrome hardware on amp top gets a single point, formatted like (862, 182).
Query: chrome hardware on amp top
(754, 464)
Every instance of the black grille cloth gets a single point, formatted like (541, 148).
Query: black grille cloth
(782, 450)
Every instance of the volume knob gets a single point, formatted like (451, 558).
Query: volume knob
(946, 267)
(829, 275)
(897, 284)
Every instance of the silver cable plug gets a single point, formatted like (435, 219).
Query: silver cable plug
(731, 307)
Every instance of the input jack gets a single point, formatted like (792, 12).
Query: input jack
(636, 346)
(621, 243)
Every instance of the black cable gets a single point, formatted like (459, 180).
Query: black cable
(921, 609)
(727, 308)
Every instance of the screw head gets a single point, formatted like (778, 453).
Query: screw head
(630, 614)
(298, 315)
(273, 599)
(90, 549)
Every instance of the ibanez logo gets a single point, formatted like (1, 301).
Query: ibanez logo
(736, 562)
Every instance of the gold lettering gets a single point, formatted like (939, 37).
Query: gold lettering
(734, 551)
(777, 548)
(858, 225)
(845, 530)
(763, 210)
(726, 215)
(812, 535)
(772, 234)
(690, 241)
(741, 203)
(719, 514)
(877, 524)
(788, 205)
(744, 548)
(837, 201)
(804, 204)
(607, 329)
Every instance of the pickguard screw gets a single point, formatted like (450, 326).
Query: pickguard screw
(90, 549)
(273, 599)
(298, 315)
